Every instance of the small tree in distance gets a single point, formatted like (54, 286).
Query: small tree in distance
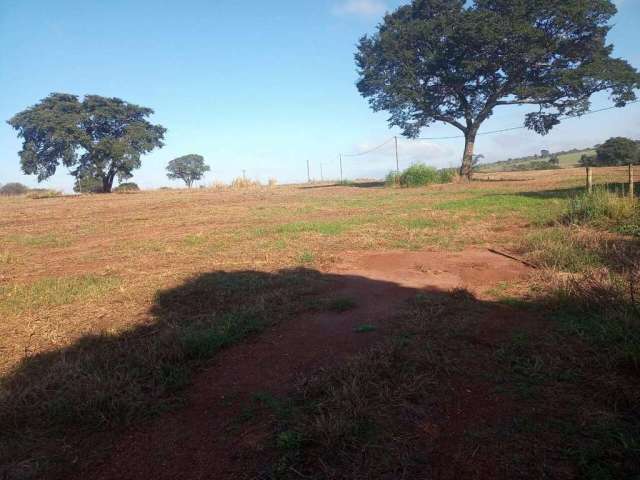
(188, 168)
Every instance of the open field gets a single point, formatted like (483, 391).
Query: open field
(300, 331)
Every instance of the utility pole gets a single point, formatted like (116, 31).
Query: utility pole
(397, 161)
(244, 174)
(340, 168)
(308, 173)
(321, 176)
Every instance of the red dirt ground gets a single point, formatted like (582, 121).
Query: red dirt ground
(196, 443)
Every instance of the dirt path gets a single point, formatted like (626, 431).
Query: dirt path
(200, 441)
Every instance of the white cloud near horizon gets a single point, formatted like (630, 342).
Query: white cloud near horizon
(360, 8)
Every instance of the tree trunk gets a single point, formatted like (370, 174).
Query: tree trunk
(466, 170)
(107, 182)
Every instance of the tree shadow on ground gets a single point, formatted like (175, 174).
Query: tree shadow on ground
(56, 407)
(570, 192)
(373, 184)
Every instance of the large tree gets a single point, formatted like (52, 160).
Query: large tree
(188, 168)
(454, 61)
(617, 151)
(99, 137)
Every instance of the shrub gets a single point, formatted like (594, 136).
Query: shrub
(88, 184)
(419, 175)
(273, 182)
(38, 193)
(448, 175)
(242, 182)
(218, 185)
(14, 188)
(392, 179)
(127, 187)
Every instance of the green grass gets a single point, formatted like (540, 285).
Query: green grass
(306, 258)
(418, 223)
(616, 333)
(341, 304)
(46, 240)
(603, 208)
(194, 240)
(203, 342)
(560, 249)
(50, 292)
(533, 207)
(365, 328)
(329, 228)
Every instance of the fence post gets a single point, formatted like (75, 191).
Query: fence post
(589, 179)
(631, 189)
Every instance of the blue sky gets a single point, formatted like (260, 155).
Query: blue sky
(254, 85)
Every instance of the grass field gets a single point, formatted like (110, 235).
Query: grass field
(112, 306)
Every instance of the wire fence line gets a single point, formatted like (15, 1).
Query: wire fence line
(394, 155)
(389, 154)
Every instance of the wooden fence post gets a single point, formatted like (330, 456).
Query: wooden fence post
(631, 186)
(589, 179)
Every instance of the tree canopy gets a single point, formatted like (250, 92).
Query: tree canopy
(188, 168)
(454, 61)
(98, 137)
(617, 151)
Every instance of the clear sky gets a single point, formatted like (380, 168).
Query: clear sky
(251, 85)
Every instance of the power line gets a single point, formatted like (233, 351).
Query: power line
(491, 132)
(521, 127)
(367, 151)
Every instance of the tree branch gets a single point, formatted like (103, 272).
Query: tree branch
(451, 121)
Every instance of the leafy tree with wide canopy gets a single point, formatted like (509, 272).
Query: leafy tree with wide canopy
(617, 151)
(188, 168)
(455, 61)
(98, 137)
